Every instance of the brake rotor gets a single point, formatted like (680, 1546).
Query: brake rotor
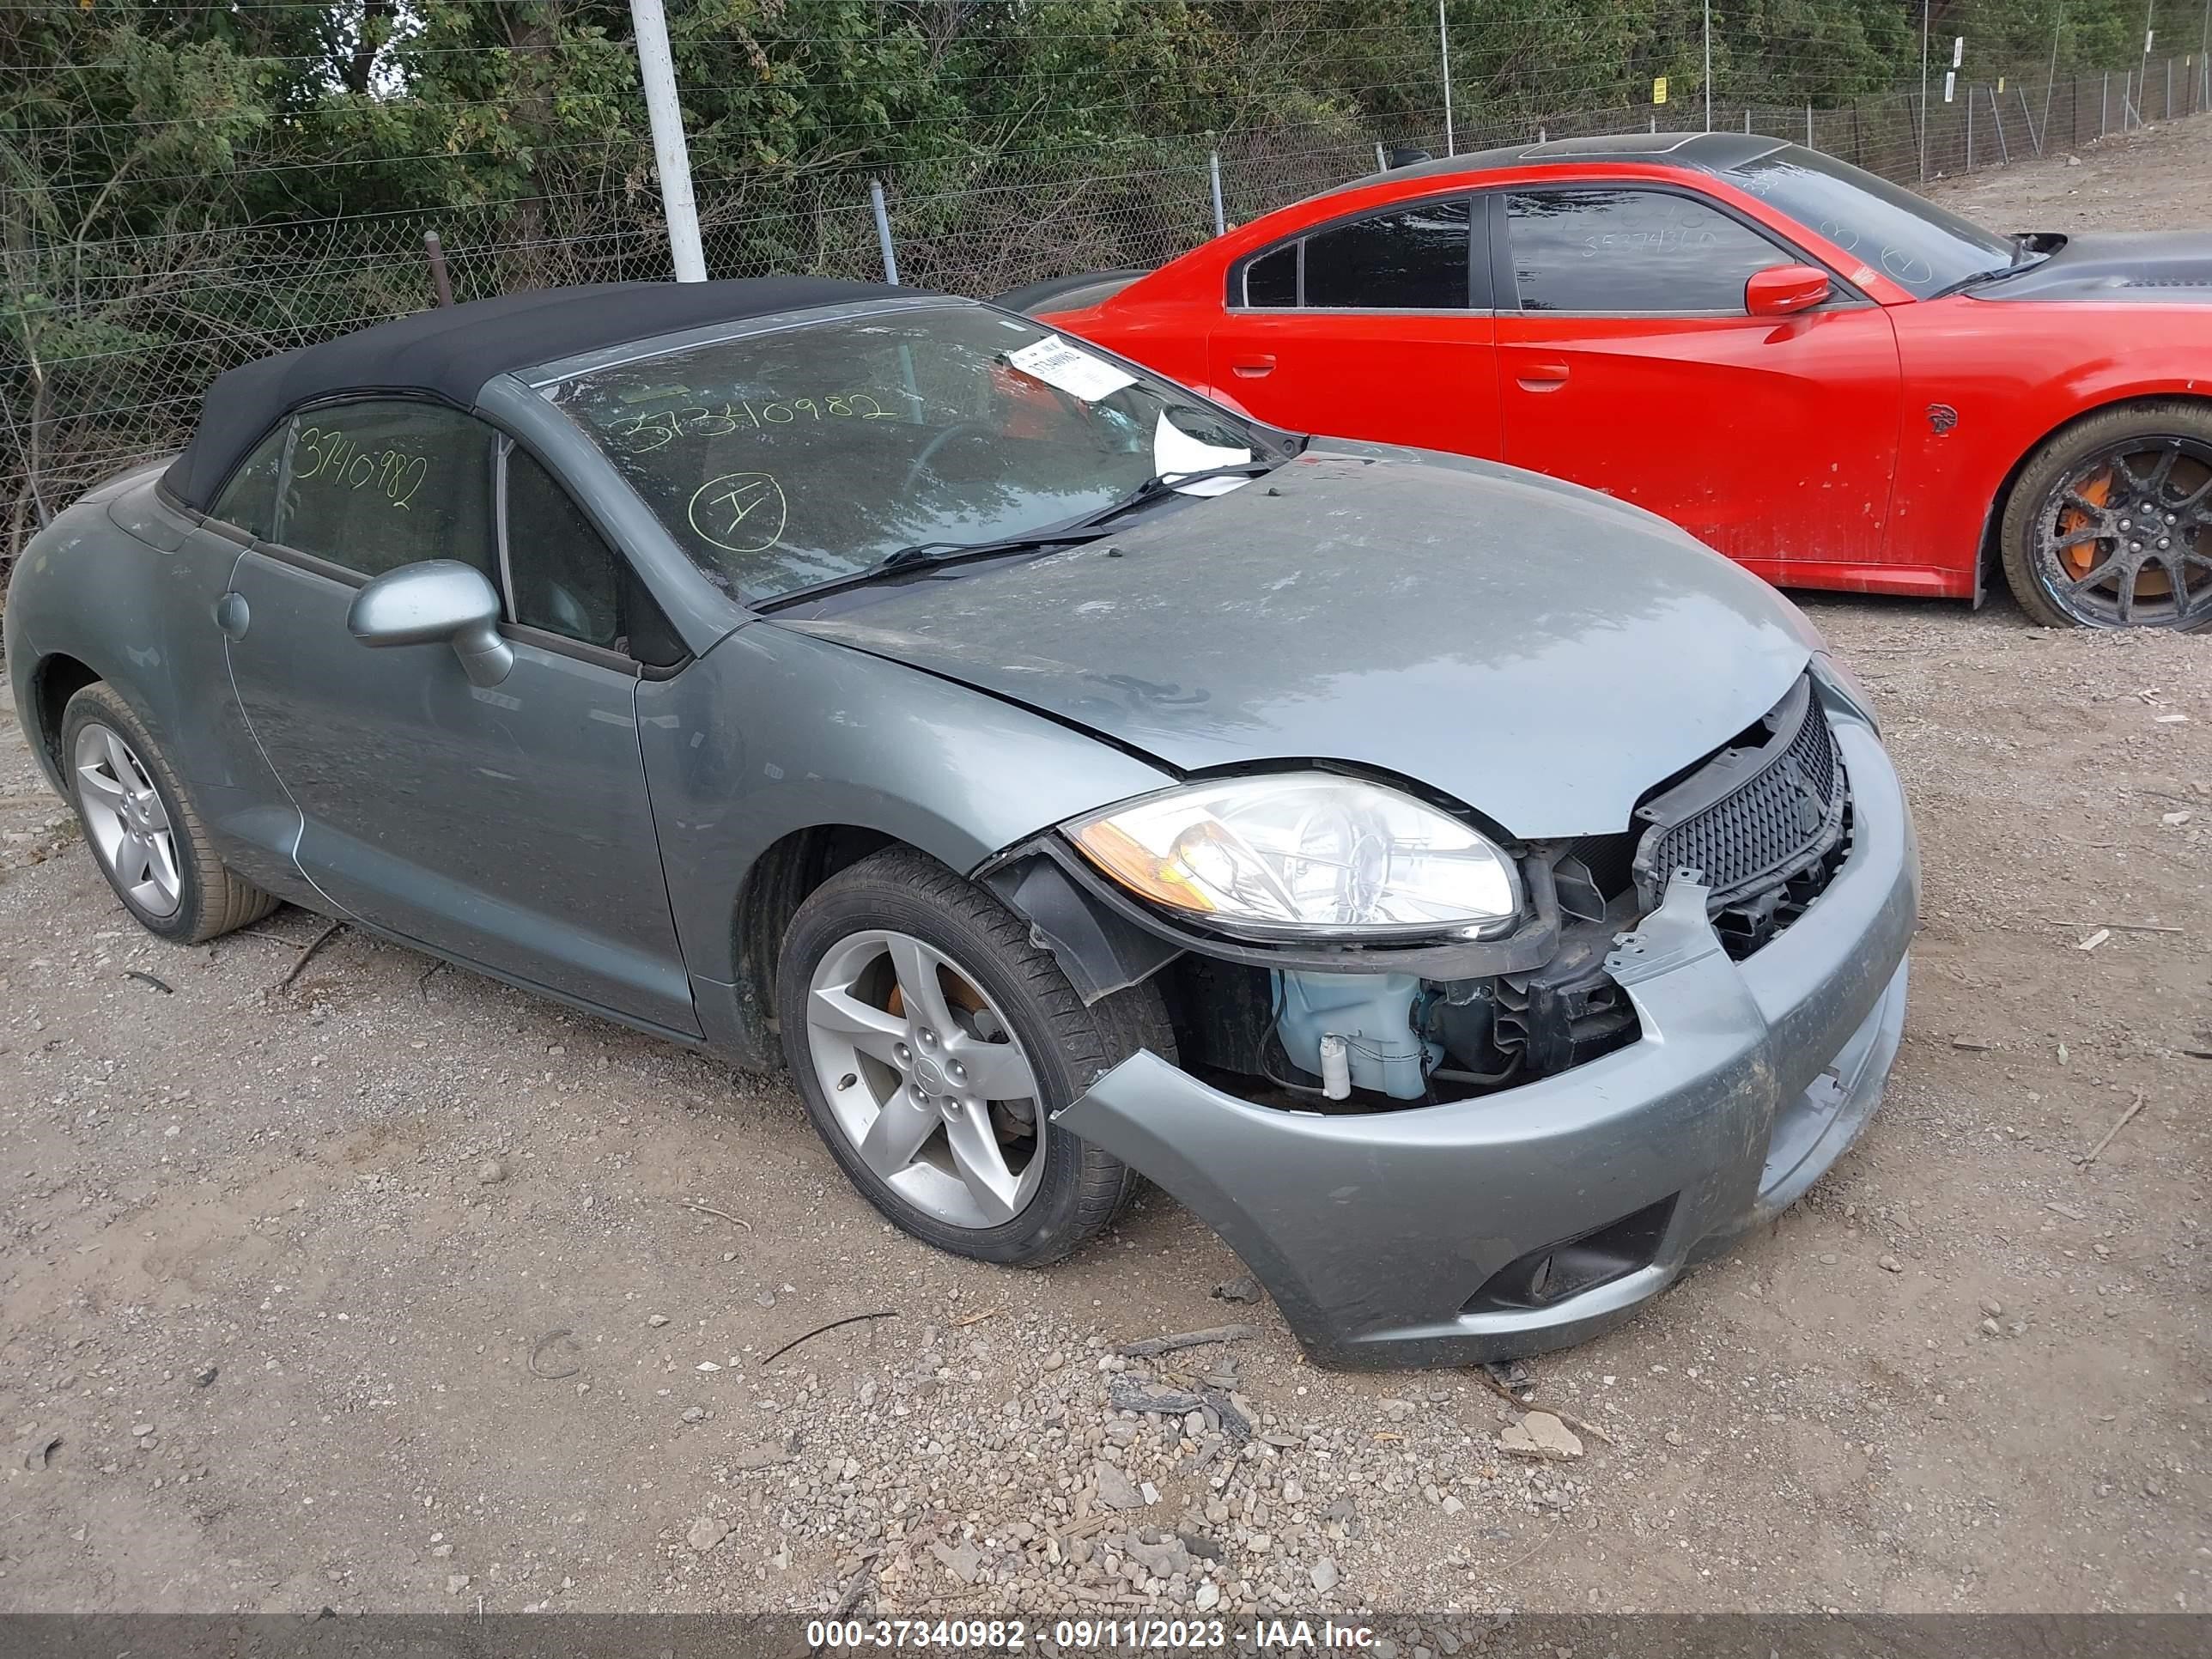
(960, 993)
(1013, 1120)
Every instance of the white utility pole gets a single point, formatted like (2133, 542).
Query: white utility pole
(2142, 88)
(1925, 5)
(1709, 65)
(657, 70)
(2050, 81)
(1444, 55)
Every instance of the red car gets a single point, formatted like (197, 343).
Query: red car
(1824, 376)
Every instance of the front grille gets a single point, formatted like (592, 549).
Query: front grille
(1770, 809)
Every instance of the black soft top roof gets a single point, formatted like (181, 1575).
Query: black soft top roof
(451, 352)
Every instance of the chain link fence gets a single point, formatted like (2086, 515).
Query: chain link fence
(138, 327)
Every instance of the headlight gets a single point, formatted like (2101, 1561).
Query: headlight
(1303, 853)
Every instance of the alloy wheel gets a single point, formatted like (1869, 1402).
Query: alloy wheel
(128, 825)
(926, 1078)
(2125, 539)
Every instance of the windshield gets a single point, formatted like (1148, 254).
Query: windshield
(1910, 241)
(785, 459)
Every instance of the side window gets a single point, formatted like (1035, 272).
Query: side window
(376, 484)
(1596, 250)
(566, 579)
(1272, 279)
(249, 500)
(1414, 260)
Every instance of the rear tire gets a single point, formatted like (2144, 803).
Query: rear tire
(2110, 524)
(888, 1091)
(144, 834)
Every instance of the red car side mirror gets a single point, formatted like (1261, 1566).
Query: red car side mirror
(1781, 289)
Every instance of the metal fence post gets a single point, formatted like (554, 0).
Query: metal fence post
(1809, 145)
(883, 231)
(2105, 106)
(1996, 120)
(1382, 161)
(1970, 130)
(1213, 178)
(2034, 137)
(440, 281)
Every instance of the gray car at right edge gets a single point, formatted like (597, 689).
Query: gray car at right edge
(1470, 896)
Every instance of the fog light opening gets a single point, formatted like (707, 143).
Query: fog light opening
(1566, 1267)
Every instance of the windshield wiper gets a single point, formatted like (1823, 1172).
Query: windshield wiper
(1162, 484)
(1075, 532)
(935, 553)
(2023, 260)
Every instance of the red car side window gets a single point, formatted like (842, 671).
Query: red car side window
(1272, 279)
(1412, 260)
(1597, 250)
(1418, 258)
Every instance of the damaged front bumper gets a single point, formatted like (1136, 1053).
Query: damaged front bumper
(1538, 1217)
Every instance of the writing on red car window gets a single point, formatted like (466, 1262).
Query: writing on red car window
(1661, 240)
(329, 455)
(656, 429)
(741, 512)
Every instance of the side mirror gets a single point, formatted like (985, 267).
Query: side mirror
(1782, 290)
(440, 599)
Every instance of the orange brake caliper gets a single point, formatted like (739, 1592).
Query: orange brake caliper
(2081, 557)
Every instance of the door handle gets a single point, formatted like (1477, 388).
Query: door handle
(1253, 368)
(231, 615)
(1543, 377)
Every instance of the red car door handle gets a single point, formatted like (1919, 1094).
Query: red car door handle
(1543, 377)
(1251, 368)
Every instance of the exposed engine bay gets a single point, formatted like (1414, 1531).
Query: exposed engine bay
(1766, 822)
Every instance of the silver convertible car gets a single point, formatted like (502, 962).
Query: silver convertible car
(1472, 897)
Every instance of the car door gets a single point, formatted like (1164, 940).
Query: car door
(1628, 361)
(1376, 327)
(507, 826)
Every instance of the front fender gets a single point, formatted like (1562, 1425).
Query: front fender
(774, 732)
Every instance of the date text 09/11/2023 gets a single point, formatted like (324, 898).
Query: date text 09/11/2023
(1085, 1635)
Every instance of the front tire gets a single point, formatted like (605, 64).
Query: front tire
(931, 1042)
(144, 834)
(2110, 524)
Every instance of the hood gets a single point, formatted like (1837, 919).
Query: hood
(1536, 651)
(2160, 267)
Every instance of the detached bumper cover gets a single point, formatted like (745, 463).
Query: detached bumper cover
(1375, 1234)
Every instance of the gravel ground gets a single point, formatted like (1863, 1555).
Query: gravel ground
(382, 1291)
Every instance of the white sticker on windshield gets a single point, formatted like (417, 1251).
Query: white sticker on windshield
(1075, 372)
(1176, 454)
